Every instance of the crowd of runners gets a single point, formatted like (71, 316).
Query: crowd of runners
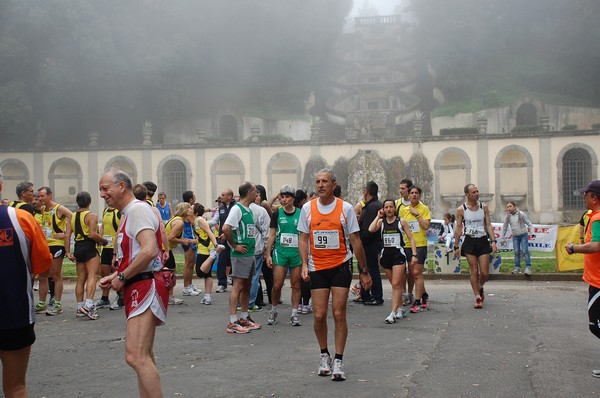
(315, 241)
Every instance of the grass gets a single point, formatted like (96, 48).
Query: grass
(541, 262)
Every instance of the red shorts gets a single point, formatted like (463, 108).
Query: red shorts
(147, 294)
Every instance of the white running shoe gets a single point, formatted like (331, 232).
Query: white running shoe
(338, 373)
(325, 365)
(391, 318)
(272, 319)
(206, 300)
(189, 291)
(295, 321)
(175, 301)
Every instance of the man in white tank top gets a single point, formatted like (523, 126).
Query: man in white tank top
(474, 218)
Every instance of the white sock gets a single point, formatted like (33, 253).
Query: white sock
(294, 311)
(89, 303)
(244, 315)
(233, 318)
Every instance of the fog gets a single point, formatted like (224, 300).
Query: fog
(68, 67)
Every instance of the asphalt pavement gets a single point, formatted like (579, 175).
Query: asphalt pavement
(530, 340)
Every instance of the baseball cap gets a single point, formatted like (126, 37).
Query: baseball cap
(593, 186)
(287, 190)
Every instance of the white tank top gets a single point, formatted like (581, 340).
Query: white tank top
(474, 221)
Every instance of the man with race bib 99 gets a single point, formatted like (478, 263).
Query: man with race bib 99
(327, 226)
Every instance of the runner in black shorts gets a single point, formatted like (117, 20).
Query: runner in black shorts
(393, 258)
(473, 217)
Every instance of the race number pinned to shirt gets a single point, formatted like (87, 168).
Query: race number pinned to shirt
(391, 240)
(47, 232)
(251, 229)
(288, 240)
(108, 239)
(326, 240)
(414, 226)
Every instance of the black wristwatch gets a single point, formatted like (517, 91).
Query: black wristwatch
(415, 256)
(572, 249)
(121, 277)
(364, 270)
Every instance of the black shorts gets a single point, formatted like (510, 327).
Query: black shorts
(476, 246)
(57, 251)
(16, 339)
(391, 256)
(85, 250)
(200, 258)
(340, 276)
(107, 256)
(170, 264)
(421, 254)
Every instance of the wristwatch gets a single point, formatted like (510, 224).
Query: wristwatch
(415, 256)
(121, 277)
(572, 249)
(364, 270)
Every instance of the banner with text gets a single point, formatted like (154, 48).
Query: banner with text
(541, 237)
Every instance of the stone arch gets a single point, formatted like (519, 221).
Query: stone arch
(174, 176)
(125, 164)
(228, 127)
(14, 172)
(226, 171)
(513, 165)
(452, 170)
(539, 108)
(526, 115)
(567, 185)
(283, 168)
(65, 180)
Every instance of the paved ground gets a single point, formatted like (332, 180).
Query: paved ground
(530, 340)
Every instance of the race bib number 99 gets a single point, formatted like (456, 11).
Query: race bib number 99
(326, 240)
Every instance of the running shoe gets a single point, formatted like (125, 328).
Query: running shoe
(528, 271)
(40, 307)
(416, 307)
(175, 301)
(102, 303)
(325, 365)
(221, 289)
(51, 301)
(116, 305)
(405, 299)
(401, 313)
(213, 254)
(478, 303)
(596, 372)
(304, 309)
(338, 373)
(90, 312)
(355, 289)
(391, 318)
(80, 313)
(219, 248)
(196, 289)
(236, 328)
(55, 310)
(206, 300)
(189, 291)
(255, 308)
(425, 301)
(295, 321)
(249, 324)
(516, 271)
(272, 319)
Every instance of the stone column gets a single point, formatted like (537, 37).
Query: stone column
(201, 136)
(147, 133)
(544, 121)
(482, 125)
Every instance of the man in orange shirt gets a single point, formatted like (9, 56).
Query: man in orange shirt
(24, 252)
(591, 256)
(327, 226)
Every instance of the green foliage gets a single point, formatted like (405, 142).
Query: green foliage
(459, 131)
(524, 128)
(569, 127)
